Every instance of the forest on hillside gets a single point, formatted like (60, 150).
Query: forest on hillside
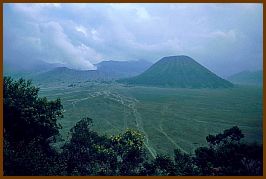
(32, 145)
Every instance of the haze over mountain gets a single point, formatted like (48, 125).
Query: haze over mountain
(66, 74)
(247, 78)
(123, 68)
(178, 71)
(27, 66)
(106, 71)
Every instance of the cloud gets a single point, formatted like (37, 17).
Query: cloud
(229, 35)
(82, 29)
(34, 10)
(226, 38)
(58, 46)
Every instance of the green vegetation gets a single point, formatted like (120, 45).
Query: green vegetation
(170, 118)
(178, 71)
(30, 130)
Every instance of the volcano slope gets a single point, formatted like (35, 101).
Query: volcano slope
(178, 72)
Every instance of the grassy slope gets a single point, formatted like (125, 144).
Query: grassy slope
(178, 71)
(170, 118)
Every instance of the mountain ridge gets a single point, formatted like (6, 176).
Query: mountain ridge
(107, 71)
(247, 78)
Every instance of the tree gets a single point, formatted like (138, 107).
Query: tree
(227, 155)
(184, 164)
(129, 149)
(163, 166)
(28, 123)
(231, 135)
(87, 153)
(27, 116)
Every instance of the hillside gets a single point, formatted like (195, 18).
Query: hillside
(247, 78)
(178, 71)
(70, 75)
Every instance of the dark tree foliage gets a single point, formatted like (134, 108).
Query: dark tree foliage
(129, 149)
(184, 164)
(30, 125)
(162, 166)
(233, 134)
(87, 153)
(26, 115)
(31, 158)
(28, 122)
(227, 155)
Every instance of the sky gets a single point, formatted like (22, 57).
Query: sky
(226, 38)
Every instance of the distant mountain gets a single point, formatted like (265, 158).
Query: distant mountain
(26, 67)
(247, 78)
(45, 73)
(178, 71)
(69, 75)
(123, 68)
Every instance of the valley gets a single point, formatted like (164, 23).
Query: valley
(168, 117)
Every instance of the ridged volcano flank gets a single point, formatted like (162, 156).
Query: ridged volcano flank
(178, 71)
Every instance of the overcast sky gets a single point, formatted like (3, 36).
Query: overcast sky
(226, 38)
